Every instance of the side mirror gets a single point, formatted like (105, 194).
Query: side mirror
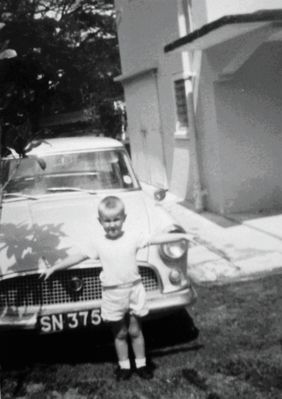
(160, 194)
(41, 162)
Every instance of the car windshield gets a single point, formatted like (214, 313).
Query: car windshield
(91, 171)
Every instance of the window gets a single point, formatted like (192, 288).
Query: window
(182, 121)
(92, 170)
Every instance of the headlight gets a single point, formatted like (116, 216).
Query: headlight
(174, 250)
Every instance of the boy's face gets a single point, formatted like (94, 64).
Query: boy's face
(112, 222)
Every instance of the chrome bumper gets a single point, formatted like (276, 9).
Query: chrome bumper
(158, 306)
(11, 322)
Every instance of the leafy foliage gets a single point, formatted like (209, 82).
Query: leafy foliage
(67, 58)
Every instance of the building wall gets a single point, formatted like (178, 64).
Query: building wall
(177, 146)
(239, 127)
(208, 136)
(248, 110)
(205, 11)
(144, 27)
(181, 179)
(145, 131)
(238, 122)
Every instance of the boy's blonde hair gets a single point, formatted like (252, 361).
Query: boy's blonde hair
(111, 203)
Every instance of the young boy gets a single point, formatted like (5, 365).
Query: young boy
(123, 294)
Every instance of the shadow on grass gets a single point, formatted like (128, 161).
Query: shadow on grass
(74, 347)
(20, 350)
(168, 335)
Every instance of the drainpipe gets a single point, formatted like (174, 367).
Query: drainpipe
(198, 192)
(161, 130)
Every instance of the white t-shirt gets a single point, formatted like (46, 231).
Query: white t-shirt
(118, 257)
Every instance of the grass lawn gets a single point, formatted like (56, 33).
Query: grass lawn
(238, 354)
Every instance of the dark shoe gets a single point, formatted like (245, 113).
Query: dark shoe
(123, 374)
(145, 372)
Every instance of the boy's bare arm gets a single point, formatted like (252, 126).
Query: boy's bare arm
(170, 237)
(64, 264)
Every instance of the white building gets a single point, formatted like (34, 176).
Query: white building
(203, 90)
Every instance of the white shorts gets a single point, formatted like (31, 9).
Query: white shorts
(116, 302)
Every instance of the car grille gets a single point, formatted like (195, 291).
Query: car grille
(30, 290)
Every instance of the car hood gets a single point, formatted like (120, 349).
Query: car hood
(60, 224)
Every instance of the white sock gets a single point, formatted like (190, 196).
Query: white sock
(124, 364)
(140, 362)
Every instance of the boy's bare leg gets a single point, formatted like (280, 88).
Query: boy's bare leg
(120, 331)
(138, 346)
(137, 337)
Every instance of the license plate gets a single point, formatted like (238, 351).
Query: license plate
(69, 321)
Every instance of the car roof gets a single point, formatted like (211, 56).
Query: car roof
(73, 144)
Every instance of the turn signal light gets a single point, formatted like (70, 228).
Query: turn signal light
(175, 277)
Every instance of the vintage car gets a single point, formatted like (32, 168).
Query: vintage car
(49, 209)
